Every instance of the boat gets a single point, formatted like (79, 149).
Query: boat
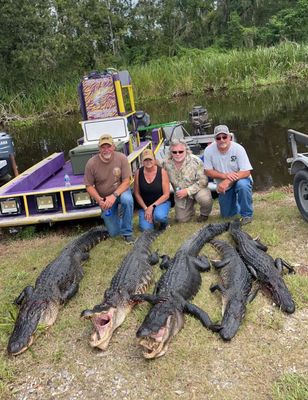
(53, 190)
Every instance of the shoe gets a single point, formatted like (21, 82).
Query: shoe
(202, 218)
(163, 226)
(246, 220)
(129, 239)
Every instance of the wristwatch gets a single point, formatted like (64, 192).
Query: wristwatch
(154, 205)
(116, 195)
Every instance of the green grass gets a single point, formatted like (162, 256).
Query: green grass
(291, 387)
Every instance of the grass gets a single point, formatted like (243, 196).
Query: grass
(267, 359)
(193, 72)
(291, 387)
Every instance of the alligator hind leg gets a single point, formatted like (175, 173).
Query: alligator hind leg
(201, 263)
(221, 263)
(280, 263)
(24, 295)
(218, 287)
(166, 262)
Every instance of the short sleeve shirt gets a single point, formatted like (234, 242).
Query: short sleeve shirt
(106, 177)
(234, 160)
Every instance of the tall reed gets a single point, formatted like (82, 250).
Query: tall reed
(194, 71)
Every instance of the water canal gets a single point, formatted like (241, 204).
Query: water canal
(259, 119)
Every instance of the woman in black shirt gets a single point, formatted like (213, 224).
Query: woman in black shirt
(152, 191)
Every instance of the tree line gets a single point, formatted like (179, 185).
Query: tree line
(57, 40)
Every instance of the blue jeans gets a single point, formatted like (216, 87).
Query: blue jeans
(120, 224)
(160, 215)
(237, 200)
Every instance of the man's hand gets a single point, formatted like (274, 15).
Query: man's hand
(107, 202)
(180, 194)
(232, 176)
(223, 186)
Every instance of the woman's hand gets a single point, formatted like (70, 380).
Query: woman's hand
(148, 214)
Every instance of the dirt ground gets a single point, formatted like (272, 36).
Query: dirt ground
(269, 345)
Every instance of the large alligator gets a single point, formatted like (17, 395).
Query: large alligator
(57, 283)
(263, 267)
(179, 284)
(133, 277)
(236, 283)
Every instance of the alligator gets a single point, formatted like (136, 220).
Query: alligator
(263, 267)
(57, 283)
(170, 300)
(132, 278)
(236, 284)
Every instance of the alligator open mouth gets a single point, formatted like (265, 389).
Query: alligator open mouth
(103, 329)
(156, 345)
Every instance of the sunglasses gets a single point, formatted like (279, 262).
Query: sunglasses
(178, 152)
(224, 137)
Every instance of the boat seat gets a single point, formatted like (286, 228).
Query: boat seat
(34, 176)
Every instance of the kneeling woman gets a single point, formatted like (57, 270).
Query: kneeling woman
(152, 191)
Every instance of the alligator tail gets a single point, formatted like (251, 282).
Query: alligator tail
(88, 240)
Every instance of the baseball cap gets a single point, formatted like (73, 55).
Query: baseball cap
(148, 154)
(105, 139)
(221, 129)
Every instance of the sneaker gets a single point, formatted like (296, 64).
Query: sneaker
(202, 218)
(129, 239)
(246, 220)
(163, 226)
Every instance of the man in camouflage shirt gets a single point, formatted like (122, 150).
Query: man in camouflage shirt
(189, 182)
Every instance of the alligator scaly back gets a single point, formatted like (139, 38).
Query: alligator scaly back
(56, 284)
(132, 278)
(235, 287)
(175, 288)
(264, 267)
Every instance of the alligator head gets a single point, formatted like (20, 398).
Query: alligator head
(158, 328)
(281, 295)
(106, 318)
(32, 314)
(233, 315)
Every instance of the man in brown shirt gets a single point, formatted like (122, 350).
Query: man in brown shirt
(107, 179)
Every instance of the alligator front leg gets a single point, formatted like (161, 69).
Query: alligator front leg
(280, 263)
(70, 292)
(260, 245)
(150, 298)
(24, 295)
(154, 258)
(202, 316)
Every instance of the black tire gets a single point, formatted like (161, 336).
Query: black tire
(300, 186)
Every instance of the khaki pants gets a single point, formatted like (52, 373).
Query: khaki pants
(185, 208)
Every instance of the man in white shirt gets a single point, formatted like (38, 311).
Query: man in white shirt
(228, 164)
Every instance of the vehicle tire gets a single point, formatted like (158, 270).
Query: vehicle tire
(300, 186)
